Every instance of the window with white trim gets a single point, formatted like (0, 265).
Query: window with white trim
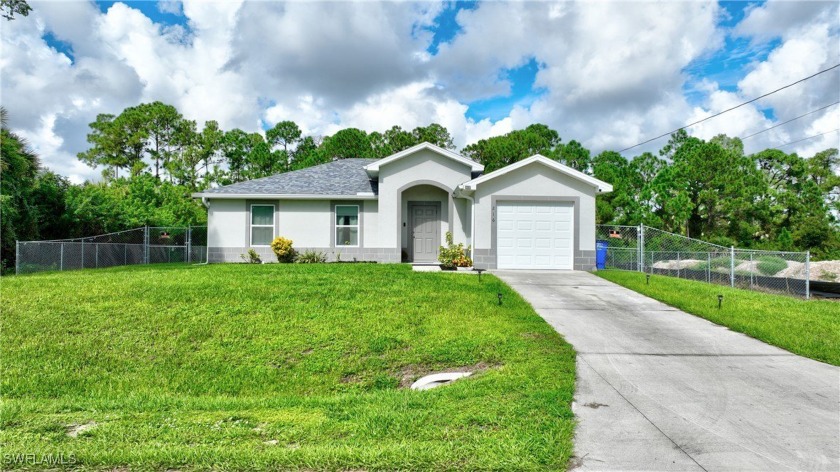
(347, 225)
(262, 224)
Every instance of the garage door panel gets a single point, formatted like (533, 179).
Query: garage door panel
(561, 224)
(561, 261)
(563, 243)
(543, 261)
(536, 235)
(524, 243)
(524, 225)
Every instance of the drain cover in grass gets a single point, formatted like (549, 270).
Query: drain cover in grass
(437, 380)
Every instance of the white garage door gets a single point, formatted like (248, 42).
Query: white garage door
(534, 235)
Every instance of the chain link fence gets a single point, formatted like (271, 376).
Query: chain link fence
(653, 251)
(146, 245)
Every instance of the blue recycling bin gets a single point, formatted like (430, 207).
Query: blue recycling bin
(601, 247)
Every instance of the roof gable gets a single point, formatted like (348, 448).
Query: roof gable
(343, 177)
(600, 185)
(373, 168)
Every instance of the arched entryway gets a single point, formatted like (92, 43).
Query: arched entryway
(426, 211)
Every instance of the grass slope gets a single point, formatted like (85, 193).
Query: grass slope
(243, 367)
(810, 328)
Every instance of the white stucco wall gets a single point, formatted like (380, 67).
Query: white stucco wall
(370, 224)
(461, 231)
(425, 165)
(306, 222)
(539, 181)
(226, 223)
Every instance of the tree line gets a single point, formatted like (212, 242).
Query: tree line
(153, 159)
(154, 138)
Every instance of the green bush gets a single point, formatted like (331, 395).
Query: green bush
(251, 257)
(721, 261)
(311, 257)
(718, 264)
(714, 263)
(283, 249)
(771, 265)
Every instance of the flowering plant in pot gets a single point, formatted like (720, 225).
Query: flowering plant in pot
(464, 262)
(453, 256)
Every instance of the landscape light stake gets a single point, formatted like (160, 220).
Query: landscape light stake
(647, 276)
(720, 301)
(479, 273)
(500, 298)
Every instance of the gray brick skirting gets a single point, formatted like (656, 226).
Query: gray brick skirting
(585, 260)
(233, 254)
(486, 259)
(482, 258)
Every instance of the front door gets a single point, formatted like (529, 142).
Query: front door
(425, 231)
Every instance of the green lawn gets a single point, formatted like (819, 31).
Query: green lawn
(810, 328)
(243, 367)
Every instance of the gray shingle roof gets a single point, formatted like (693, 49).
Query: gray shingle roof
(341, 177)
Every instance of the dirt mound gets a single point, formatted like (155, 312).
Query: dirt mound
(828, 271)
(674, 265)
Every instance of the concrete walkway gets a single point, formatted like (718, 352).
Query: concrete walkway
(659, 389)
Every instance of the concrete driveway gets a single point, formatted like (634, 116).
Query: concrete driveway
(659, 389)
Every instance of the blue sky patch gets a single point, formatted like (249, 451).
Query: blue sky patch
(522, 93)
(151, 10)
(734, 12)
(769, 113)
(446, 24)
(59, 45)
(731, 63)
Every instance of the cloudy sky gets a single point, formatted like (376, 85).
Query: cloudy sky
(608, 74)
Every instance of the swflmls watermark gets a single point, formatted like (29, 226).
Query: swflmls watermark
(40, 459)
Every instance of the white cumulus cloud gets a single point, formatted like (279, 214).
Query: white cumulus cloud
(611, 74)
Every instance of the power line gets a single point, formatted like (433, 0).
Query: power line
(730, 109)
(805, 139)
(788, 121)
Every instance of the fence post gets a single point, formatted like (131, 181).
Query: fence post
(61, 258)
(97, 255)
(83, 253)
(752, 270)
(732, 266)
(708, 267)
(189, 244)
(641, 247)
(17, 257)
(679, 263)
(808, 275)
(145, 245)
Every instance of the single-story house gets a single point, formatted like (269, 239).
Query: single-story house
(533, 214)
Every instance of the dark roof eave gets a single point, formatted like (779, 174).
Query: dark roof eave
(282, 196)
